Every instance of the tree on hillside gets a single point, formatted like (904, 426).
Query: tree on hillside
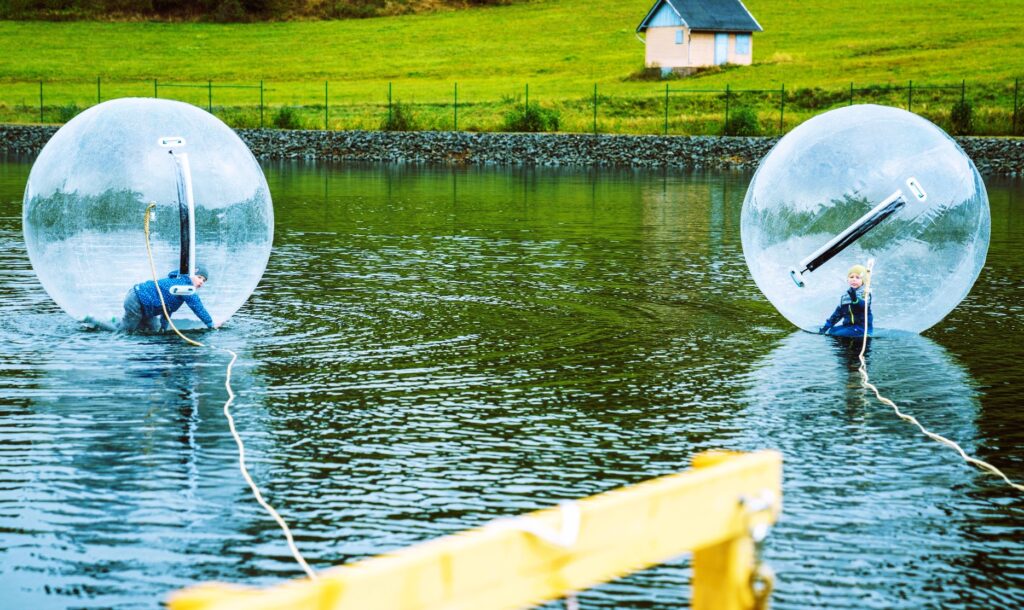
(223, 10)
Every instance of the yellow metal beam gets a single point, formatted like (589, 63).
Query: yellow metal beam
(512, 563)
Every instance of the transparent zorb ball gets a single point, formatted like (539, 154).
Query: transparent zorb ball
(86, 198)
(858, 184)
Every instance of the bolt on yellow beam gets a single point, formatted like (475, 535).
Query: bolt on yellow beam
(520, 562)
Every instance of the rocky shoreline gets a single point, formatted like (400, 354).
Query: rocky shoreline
(993, 156)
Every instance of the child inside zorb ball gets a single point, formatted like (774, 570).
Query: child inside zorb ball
(134, 171)
(144, 305)
(853, 315)
(861, 183)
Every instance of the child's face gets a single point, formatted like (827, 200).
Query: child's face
(854, 280)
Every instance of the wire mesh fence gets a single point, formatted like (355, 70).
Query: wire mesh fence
(960, 108)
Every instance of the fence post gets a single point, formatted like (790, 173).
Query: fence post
(1016, 87)
(209, 99)
(963, 92)
(666, 109)
(910, 95)
(40, 101)
(98, 96)
(851, 94)
(727, 95)
(722, 573)
(389, 104)
(782, 108)
(456, 106)
(156, 89)
(527, 97)
(261, 104)
(327, 125)
(595, 109)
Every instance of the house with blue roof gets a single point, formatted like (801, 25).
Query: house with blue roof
(682, 35)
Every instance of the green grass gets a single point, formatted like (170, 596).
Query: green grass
(560, 48)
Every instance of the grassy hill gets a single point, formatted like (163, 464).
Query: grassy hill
(561, 49)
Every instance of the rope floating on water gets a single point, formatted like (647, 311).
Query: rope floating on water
(227, 412)
(863, 369)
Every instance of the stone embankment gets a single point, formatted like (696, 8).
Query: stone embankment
(993, 156)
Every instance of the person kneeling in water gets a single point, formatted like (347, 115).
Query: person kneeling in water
(852, 308)
(142, 302)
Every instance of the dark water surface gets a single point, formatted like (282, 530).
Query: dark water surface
(433, 348)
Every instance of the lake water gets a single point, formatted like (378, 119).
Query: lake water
(432, 348)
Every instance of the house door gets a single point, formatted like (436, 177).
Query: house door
(721, 49)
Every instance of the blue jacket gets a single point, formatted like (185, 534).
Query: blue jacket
(146, 291)
(851, 310)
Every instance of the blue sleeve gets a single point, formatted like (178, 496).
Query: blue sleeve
(835, 317)
(197, 308)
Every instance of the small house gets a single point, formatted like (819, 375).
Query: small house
(682, 35)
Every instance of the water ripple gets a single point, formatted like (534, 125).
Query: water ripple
(431, 349)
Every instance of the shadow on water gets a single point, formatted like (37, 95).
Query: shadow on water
(432, 348)
(887, 502)
(117, 470)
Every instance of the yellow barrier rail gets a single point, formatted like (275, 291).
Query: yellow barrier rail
(712, 510)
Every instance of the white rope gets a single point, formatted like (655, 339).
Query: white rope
(227, 412)
(248, 479)
(863, 369)
(564, 537)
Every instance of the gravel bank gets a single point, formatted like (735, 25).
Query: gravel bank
(993, 156)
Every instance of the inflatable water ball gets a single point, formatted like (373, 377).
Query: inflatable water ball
(859, 184)
(87, 193)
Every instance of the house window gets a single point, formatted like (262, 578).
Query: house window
(679, 37)
(743, 44)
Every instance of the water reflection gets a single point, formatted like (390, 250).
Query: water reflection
(434, 347)
(116, 469)
(886, 499)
